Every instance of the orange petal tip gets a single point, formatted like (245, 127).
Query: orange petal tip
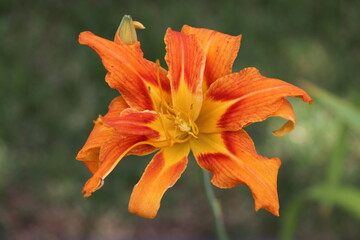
(287, 128)
(272, 209)
(92, 185)
(84, 35)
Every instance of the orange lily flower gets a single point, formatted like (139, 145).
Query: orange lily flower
(198, 105)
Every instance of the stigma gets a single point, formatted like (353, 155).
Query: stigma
(185, 128)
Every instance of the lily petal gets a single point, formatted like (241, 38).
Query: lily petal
(220, 51)
(135, 122)
(240, 99)
(136, 78)
(186, 62)
(162, 173)
(232, 158)
(111, 152)
(285, 111)
(89, 153)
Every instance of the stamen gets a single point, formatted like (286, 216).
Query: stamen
(157, 62)
(162, 101)
(176, 115)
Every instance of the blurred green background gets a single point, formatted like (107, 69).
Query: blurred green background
(51, 88)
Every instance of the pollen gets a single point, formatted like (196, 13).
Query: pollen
(187, 129)
(183, 126)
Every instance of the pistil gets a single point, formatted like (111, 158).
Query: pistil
(184, 127)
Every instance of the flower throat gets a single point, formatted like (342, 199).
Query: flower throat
(182, 126)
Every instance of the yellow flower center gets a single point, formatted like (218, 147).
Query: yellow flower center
(182, 125)
(178, 125)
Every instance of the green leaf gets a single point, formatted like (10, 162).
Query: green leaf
(337, 156)
(339, 106)
(290, 218)
(344, 197)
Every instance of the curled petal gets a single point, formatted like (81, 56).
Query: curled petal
(89, 153)
(232, 159)
(186, 61)
(220, 51)
(240, 99)
(111, 152)
(162, 173)
(285, 111)
(136, 78)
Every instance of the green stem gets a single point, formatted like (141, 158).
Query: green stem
(215, 207)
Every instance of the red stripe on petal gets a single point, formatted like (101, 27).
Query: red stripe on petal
(186, 61)
(220, 50)
(214, 163)
(89, 153)
(128, 71)
(240, 99)
(249, 83)
(232, 158)
(111, 152)
(243, 113)
(134, 122)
